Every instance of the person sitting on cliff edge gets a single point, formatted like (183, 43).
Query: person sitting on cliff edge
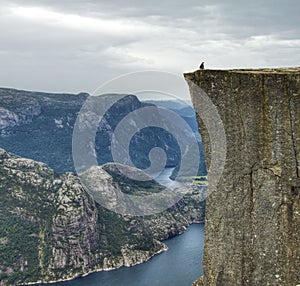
(202, 66)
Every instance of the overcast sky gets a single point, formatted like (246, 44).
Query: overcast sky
(72, 46)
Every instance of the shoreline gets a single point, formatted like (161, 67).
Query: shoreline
(165, 248)
(76, 276)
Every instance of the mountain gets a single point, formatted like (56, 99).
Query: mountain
(51, 229)
(40, 126)
(187, 112)
(182, 108)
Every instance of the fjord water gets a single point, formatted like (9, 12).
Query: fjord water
(179, 266)
(164, 179)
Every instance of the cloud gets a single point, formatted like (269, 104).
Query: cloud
(117, 27)
(77, 45)
(271, 41)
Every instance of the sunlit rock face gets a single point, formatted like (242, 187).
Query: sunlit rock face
(252, 232)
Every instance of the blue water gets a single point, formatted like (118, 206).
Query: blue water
(179, 266)
(163, 178)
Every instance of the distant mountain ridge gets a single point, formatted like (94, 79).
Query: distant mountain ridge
(40, 126)
(182, 108)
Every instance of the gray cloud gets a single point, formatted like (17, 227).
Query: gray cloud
(77, 45)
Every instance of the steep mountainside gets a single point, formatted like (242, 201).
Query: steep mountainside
(51, 229)
(40, 126)
(252, 234)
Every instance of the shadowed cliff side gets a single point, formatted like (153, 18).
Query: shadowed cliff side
(252, 232)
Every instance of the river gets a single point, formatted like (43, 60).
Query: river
(164, 179)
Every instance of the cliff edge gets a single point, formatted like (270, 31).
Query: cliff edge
(252, 232)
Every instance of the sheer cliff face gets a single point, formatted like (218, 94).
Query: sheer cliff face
(253, 214)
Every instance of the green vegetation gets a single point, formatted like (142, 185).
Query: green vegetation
(18, 250)
(39, 218)
(197, 180)
(25, 208)
(133, 187)
(200, 180)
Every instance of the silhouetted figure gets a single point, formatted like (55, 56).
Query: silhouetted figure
(202, 66)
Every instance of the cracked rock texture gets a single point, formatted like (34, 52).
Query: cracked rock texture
(252, 232)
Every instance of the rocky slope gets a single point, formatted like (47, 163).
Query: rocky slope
(252, 234)
(51, 229)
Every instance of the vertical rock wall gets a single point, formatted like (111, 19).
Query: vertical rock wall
(252, 232)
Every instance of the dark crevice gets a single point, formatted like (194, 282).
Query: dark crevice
(293, 136)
